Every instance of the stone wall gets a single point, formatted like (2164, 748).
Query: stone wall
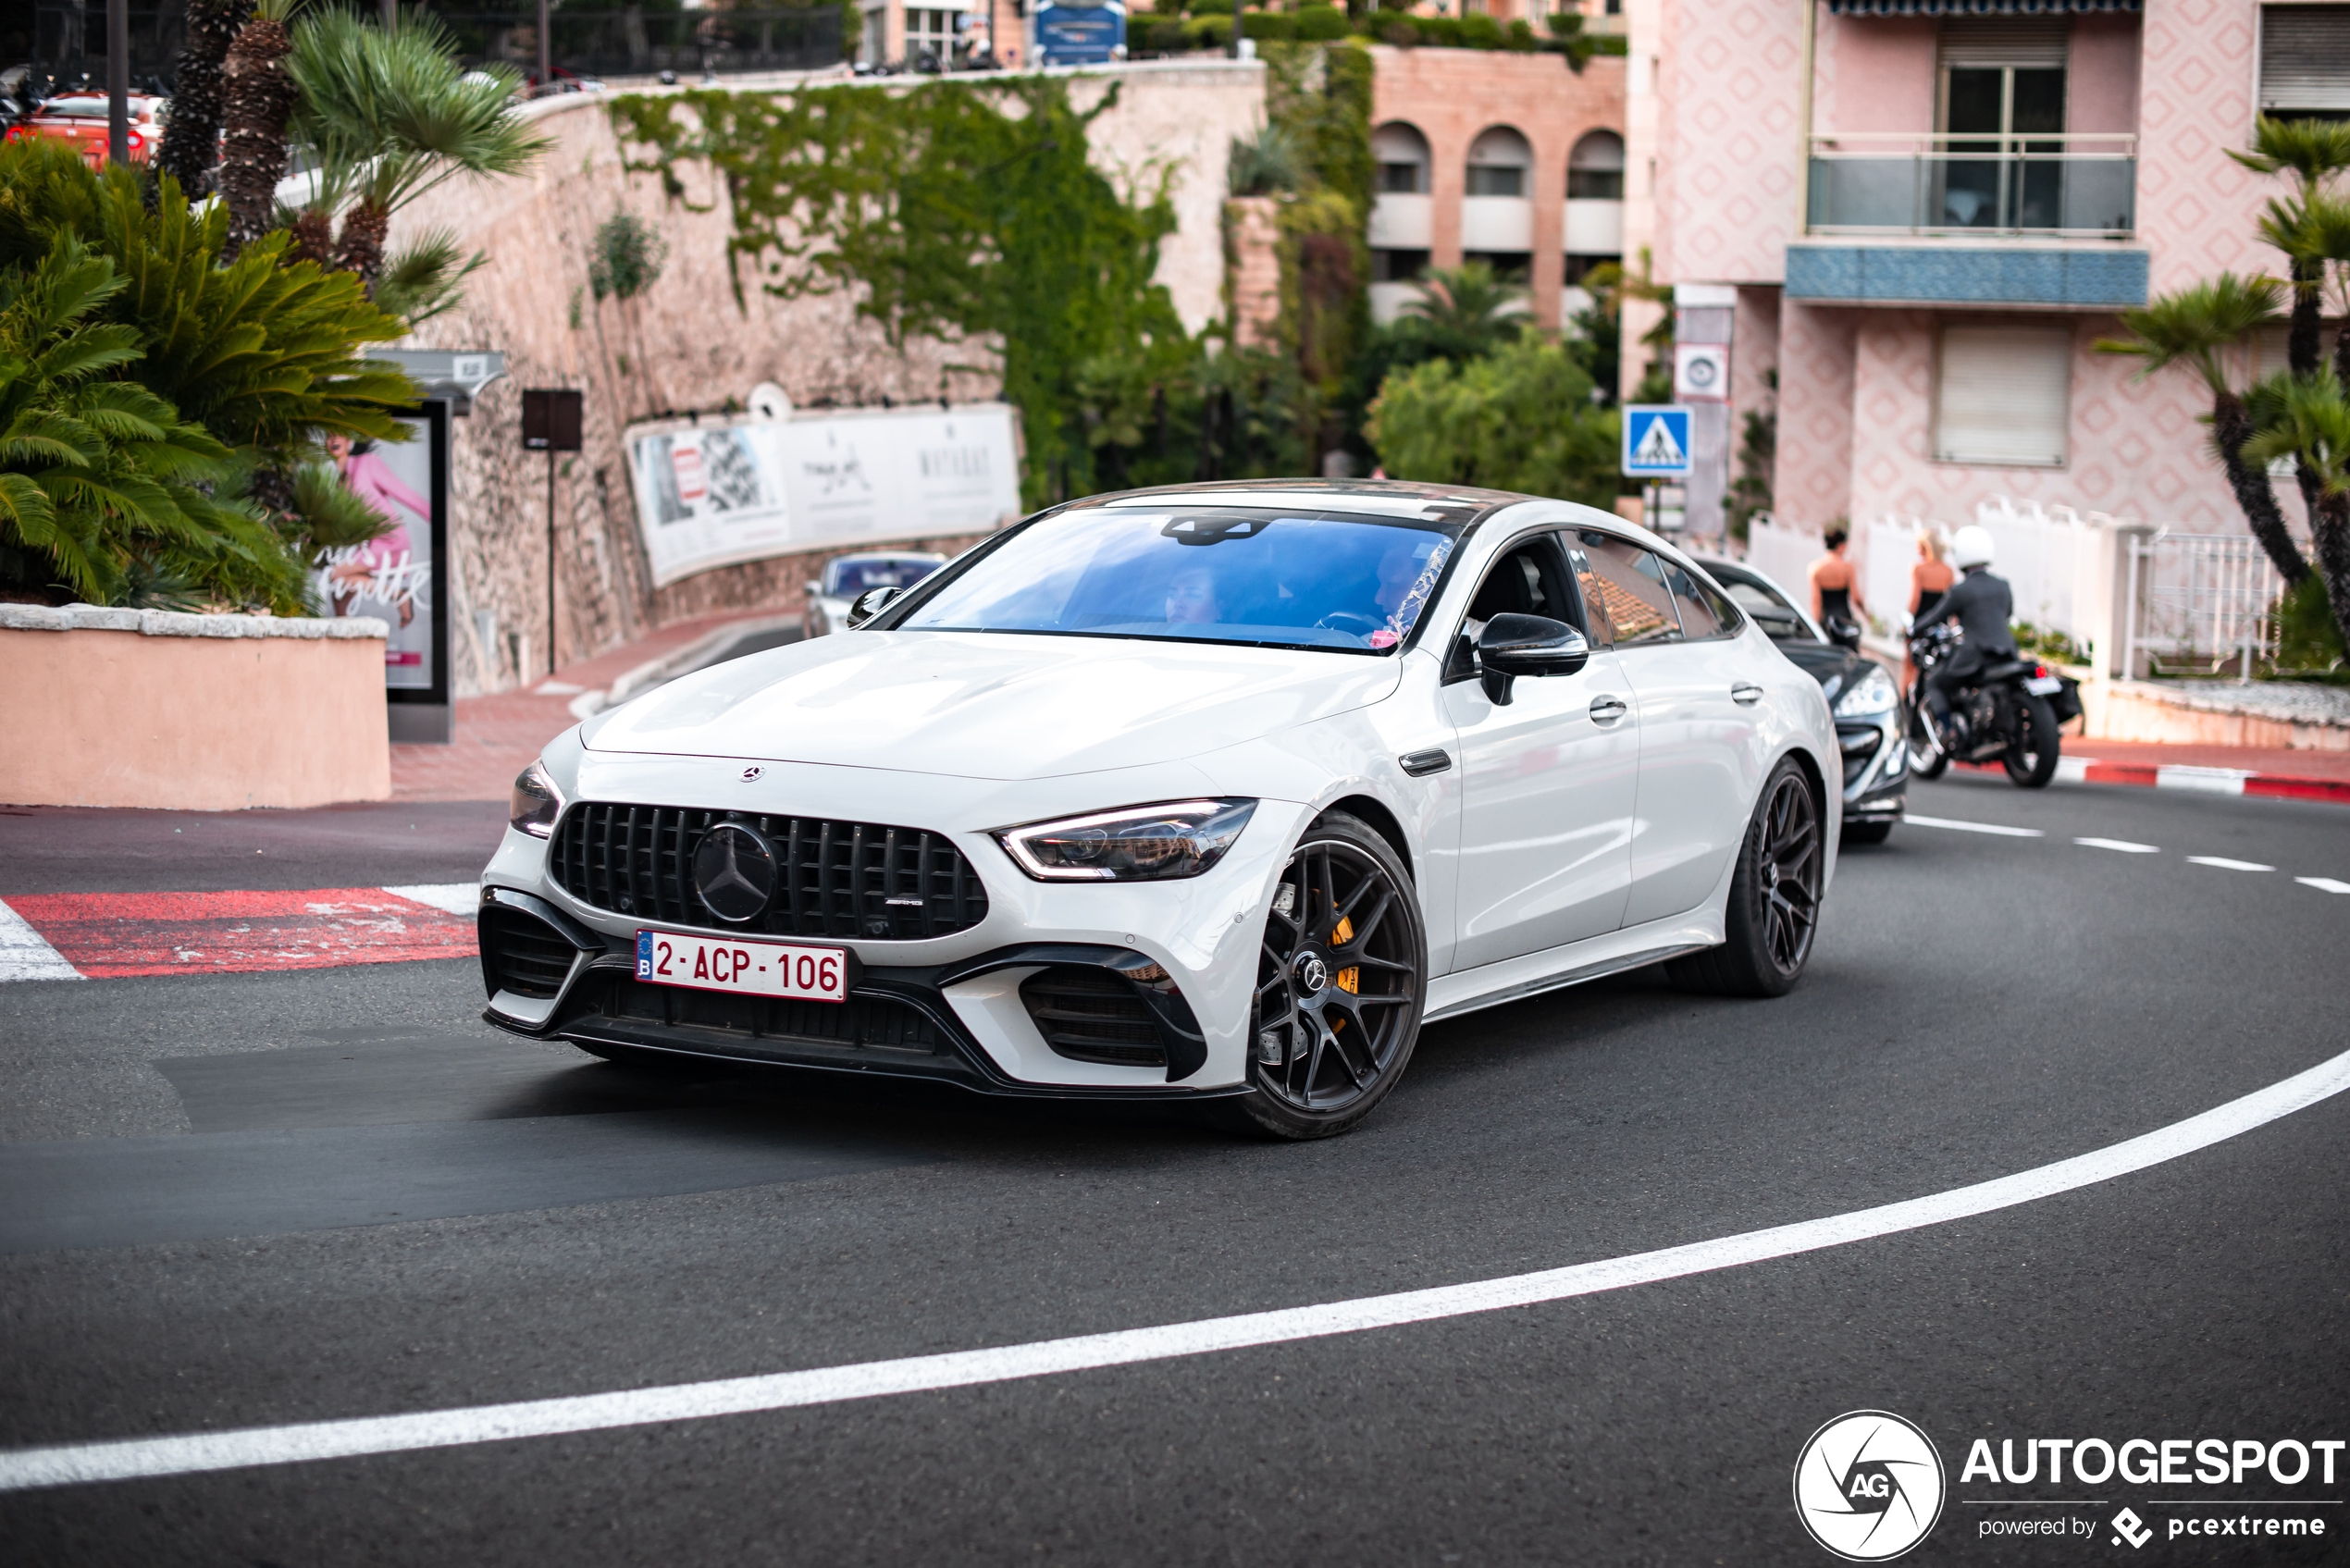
(686, 344)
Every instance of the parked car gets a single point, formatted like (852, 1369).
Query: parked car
(1214, 793)
(80, 120)
(847, 576)
(1867, 700)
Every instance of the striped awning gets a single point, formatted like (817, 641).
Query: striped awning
(1977, 7)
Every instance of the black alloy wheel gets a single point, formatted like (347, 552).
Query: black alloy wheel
(1341, 976)
(1775, 897)
(2030, 756)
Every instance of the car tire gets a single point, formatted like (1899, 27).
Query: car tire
(1327, 1080)
(2032, 760)
(1775, 897)
(1866, 832)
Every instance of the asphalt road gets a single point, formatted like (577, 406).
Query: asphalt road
(244, 1200)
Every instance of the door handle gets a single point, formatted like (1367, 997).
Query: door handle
(1607, 709)
(1746, 693)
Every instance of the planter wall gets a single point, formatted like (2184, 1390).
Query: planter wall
(190, 712)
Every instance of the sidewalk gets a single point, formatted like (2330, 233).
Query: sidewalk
(499, 736)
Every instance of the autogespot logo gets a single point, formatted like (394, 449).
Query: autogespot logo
(1869, 1486)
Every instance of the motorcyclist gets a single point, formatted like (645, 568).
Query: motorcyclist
(1983, 605)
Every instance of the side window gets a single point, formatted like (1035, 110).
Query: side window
(1704, 613)
(1629, 583)
(1530, 578)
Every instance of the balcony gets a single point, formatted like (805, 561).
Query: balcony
(1969, 187)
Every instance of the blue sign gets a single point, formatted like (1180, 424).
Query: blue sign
(1656, 440)
(1080, 35)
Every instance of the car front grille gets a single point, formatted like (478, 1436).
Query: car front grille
(522, 954)
(835, 879)
(1090, 1014)
(713, 1019)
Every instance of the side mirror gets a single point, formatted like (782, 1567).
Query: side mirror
(1512, 646)
(1844, 634)
(869, 604)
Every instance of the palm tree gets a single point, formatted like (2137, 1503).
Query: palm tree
(1467, 303)
(390, 115)
(2324, 237)
(2307, 418)
(2194, 327)
(256, 97)
(192, 140)
(2312, 152)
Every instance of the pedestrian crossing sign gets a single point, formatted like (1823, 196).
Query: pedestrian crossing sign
(1656, 440)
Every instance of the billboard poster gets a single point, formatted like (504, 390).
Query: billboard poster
(1079, 34)
(396, 576)
(712, 494)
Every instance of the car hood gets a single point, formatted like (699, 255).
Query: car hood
(990, 706)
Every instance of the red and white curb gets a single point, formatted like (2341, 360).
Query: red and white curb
(110, 936)
(2203, 780)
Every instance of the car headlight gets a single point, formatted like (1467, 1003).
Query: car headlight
(536, 802)
(1871, 696)
(1137, 844)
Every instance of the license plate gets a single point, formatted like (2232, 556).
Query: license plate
(2044, 686)
(761, 968)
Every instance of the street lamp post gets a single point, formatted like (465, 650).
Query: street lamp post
(550, 423)
(546, 47)
(118, 80)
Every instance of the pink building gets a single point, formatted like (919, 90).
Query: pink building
(1918, 216)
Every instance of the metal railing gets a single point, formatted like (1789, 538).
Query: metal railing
(1903, 182)
(2199, 603)
(635, 43)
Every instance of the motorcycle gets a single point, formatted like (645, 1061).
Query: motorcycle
(2008, 713)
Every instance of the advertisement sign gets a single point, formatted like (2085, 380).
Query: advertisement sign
(712, 493)
(1080, 35)
(397, 577)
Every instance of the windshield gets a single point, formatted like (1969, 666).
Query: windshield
(1326, 580)
(1779, 618)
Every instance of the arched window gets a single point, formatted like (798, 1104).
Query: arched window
(1402, 154)
(1595, 169)
(1499, 163)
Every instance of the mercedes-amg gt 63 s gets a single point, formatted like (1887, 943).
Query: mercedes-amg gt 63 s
(1215, 793)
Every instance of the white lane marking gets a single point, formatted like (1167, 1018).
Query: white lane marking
(2324, 884)
(71, 1463)
(2210, 781)
(457, 897)
(2227, 865)
(2123, 845)
(26, 954)
(1973, 827)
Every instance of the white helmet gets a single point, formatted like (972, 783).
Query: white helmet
(1970, 546)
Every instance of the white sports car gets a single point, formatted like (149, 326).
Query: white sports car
(1211, 793)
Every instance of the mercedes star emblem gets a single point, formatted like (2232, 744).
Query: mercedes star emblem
(735, 872)
(752, 772)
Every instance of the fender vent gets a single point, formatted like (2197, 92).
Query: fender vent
(1090, 1014)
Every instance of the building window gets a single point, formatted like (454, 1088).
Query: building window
(1595, 169)
(2003, 395)
(1497, 163)
(2002, 80)
(934, 31)
(1402, 154)
(1398, 266)
(1510, 267)
(2304, 61)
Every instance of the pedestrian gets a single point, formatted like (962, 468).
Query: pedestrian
(1932, 576)
(1836, 587)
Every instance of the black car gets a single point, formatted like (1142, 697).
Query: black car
(1866, 699)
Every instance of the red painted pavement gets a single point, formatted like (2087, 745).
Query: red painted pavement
(107, 935)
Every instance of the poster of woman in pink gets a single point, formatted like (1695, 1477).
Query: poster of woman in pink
(387, 577)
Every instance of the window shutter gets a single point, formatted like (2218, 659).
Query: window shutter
(2004, 40)
(2004, 395)
(2305, 57)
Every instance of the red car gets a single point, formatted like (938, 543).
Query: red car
(80, 118)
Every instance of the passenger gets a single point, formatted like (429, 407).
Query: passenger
(1932, 576)
(1191, 599)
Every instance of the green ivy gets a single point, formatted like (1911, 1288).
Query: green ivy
(958, 210)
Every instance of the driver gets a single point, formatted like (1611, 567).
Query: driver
(1191, 599)
(1982, 604)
